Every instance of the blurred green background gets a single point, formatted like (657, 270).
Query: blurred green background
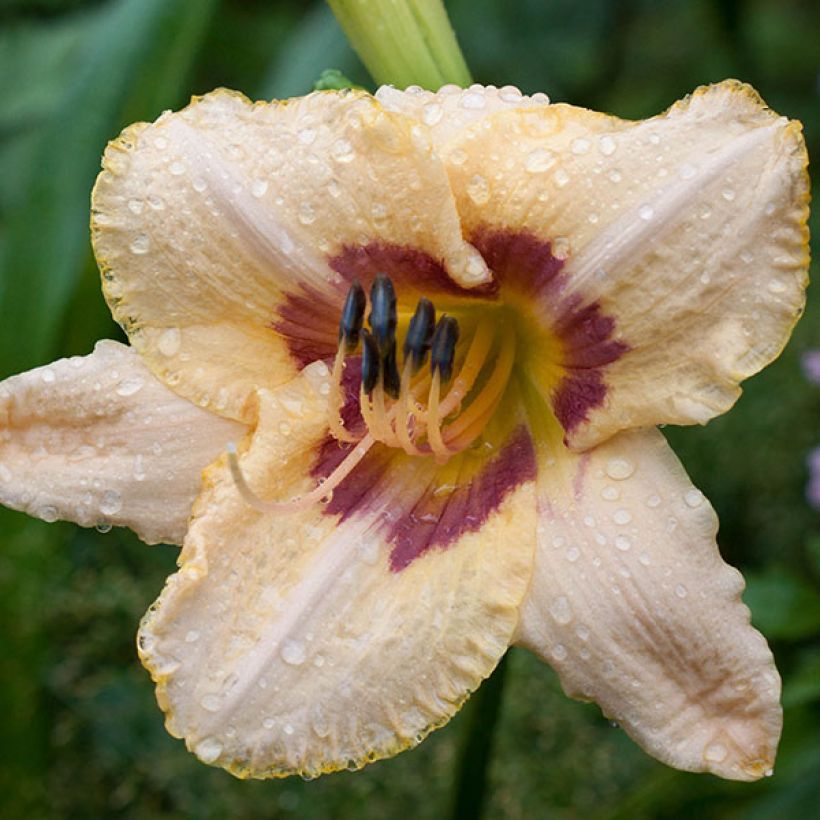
(80, 734)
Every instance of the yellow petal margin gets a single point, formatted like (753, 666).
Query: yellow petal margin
(689, 230)
(287, 645)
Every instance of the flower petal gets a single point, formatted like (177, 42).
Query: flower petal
(295, 644)
(215, 228)
(634, 608)
(97, 439)
(450, 110)
(687, 230)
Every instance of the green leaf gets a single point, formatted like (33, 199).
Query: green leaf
(784, 606)
(126, 58)
(803, 684)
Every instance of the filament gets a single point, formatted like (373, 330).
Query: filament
(336, 399)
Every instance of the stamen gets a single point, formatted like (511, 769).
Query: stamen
(468, 426)
(370, 362)
(319, 493)
(384, 425)
(437, 445)
(336, 399)
(419, 335)
(350, 325)
(443, 347)
(404, 414)
(390, 372)
(382, 316)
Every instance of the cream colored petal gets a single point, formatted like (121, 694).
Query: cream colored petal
(451, 109)
(634, 608)
(98, 440)
(288, 644)
(210, 221)
(688, 230)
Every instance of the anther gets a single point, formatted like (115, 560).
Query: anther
(382, 316)
(370, 362)
(350, 325)
(390, 372)
(420, 334)
(443, 348)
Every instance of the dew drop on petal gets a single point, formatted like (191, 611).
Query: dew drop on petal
(559, 652)
(573, 553)
(169, 342)
(140, 244)
(111, 502)
(135, 206)
(619, 468)
(623, 543)
(259, 188)
(307, 215)
(268, 723)
(49, 514)
(561, 177)
(681, 591)
(130, 385)
(191, 636)
(694, 498)
(560, 610)
(176, 168)
(580, 146)
(293, 652)
(607, 145)
(610, 493)
(432, 114)
(211, 703)
(208, 750)
(653, 501)
(646, 212)
(342, 151)
(728, 194)
(199, 184)
(715, 753)
(47, 375)
(622, 516)
(539, 161)
(478, 189)
(582, 632)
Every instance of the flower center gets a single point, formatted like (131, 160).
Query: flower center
(436, 406)
(411, 411)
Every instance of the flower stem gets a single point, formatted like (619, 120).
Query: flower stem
(403, 42)
(470, 786)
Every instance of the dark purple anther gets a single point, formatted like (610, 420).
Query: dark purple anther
(350, 325)
(443, 349)
(383, 311)
(370, 362)
(420, 334)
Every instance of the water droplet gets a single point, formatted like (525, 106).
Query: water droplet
(111, 502)
(457, 157)
(560, 247)
(211, 703)
(259, 187)
(539, 161)
(573, 553)
(320, 723)
(208, 750)
(199, 185)
(622, 516)
(510, 94)
(139, 468)
(191, 636)
(694, 498)
(130, 385)
(293, 652)
(432, 114)
(47, 375)
(705, 279)
(681, 591)
(307, 136)
(155, 202)
(715, 753)
(478, 189)
(582, 632)
(472, 100)
(561, 177)
(307, 215)
(49, 514)
(177, 168)
(169, 342)
(559, 652)
(607, 145)
(135, 206)
(580, 146)
(622, 542)
(161, 143)
(653, 501)
(655, 139)
(619, 468)
(687, 170)
(769, 209)
(644, 558)
(284, 428)
(342, 151)
(103, 527)
(268, 723)
(646, 212)
(560, 610)
(288, 729)
(140, 244)
(5, 473)
(776, 286)
(610, 493)
(728, 194)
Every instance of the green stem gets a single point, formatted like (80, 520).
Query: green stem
(403, 42)
(470, 787)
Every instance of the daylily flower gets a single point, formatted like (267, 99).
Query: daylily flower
(388, 530)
